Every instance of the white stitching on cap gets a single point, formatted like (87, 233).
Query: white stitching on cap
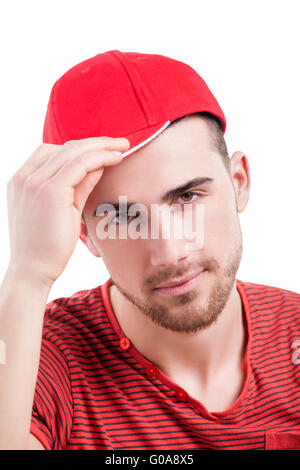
(133, 149)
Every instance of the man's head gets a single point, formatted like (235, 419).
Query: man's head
(192, 147)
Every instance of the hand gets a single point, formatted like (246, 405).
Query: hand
(46, 197)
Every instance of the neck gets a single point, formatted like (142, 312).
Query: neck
(204, 354)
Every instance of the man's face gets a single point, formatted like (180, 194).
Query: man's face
(183, 152)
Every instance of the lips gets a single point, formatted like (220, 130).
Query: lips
(178, 281)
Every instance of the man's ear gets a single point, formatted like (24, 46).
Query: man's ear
(240, 177)
(86, 240)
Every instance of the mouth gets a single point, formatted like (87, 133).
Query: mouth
(178, 280)
(182, 285)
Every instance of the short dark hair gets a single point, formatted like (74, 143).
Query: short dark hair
(216, 133)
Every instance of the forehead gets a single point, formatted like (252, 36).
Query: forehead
(180, 153)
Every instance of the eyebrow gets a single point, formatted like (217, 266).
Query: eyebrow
(169, 195)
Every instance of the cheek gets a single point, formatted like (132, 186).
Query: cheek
(121, 258)
(220, 226)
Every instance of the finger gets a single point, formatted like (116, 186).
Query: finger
(85, 187)
(74, 171)
(74, 148)
(36, 159)
(71, 150)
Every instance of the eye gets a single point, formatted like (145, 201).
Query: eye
(188, 194)
(122, 217)
(119, 218)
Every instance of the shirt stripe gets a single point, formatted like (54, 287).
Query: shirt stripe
(92, 394)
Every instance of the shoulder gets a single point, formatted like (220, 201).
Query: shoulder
(265, 292)
(73, 315)
(271, 301)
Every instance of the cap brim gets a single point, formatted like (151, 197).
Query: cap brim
(140, 138)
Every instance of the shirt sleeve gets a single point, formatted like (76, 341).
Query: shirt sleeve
(52, 411)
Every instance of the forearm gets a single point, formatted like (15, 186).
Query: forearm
(23, 299)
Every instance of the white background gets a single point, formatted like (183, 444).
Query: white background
(246, 51)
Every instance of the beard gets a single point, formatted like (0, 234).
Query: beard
(191, 312)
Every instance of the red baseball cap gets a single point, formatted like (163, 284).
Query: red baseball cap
(125, 94)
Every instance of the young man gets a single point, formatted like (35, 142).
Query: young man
(172, 352)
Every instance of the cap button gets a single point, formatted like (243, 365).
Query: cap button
(151, 371)
(125, 343)
(181, 395)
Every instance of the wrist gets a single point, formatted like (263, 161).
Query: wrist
(24, 274)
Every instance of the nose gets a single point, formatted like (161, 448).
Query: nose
(167, 248)
(164, 252)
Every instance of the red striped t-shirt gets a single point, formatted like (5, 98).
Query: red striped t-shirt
(94, 390)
